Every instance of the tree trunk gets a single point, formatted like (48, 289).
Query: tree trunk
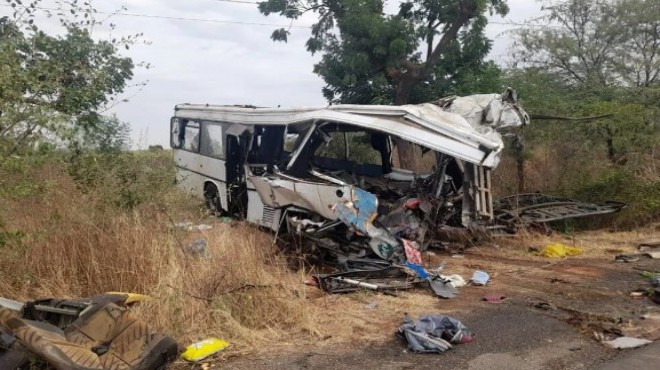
(405, 149)
(520, 164)
(519, 154)
(611, 154)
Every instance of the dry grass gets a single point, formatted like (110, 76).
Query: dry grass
(75, 245)
(242, 290)
(71, 248)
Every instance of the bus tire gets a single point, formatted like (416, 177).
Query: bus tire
(212, 199)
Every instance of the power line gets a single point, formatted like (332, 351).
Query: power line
(207, 20)
(524, 24)
(184, 18)
(239, 2)
(511, 23)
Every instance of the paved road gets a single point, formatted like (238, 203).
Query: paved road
(590, 294)
(508, 337)
(646, 358)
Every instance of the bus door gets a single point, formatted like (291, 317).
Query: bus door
(237, 149)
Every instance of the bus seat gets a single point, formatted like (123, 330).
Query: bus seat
(105, 337)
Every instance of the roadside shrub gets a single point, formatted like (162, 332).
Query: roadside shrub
(621, 184)
(122, 179)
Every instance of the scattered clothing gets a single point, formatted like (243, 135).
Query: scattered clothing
(494, 298)
(480, 278)
(418, 269)
(412, 252)
(627, 342)
(455, 280)
(558, 250)
(433, 333)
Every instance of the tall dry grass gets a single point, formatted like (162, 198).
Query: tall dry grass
(72, 244)
(63, 237)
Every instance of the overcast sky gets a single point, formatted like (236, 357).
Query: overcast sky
(197, 61)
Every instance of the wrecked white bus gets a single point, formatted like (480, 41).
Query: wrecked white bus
(328, 173)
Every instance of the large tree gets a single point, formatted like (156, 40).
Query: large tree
(414, 55)
(606, 54)
(51, 86)
(595, 42)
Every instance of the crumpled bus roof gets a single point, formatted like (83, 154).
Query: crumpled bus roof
(424, 124)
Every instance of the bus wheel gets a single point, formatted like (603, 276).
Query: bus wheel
(212, 199)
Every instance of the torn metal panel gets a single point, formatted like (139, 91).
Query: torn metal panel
(539, 208)
(484, 111)
(389, 278)
(477, 196)
(282, 191)
(359, 213)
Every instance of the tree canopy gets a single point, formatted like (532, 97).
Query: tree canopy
(428, 49)
(596, 42)
(52, 85)
(588, 58)
(370, 56)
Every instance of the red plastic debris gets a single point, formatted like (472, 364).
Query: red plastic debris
(494, 298)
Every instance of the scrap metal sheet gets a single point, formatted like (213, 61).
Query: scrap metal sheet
(540, 208)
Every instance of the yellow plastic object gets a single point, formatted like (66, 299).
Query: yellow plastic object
(558, 250)
(132, 297)
(201, 350)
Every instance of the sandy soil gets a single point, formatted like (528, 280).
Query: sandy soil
(586, 294)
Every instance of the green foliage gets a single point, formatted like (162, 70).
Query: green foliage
(106, 134)
(280, 34)
(427, 50)
(612, 158)
(460, 78)
(595, 43)
(7, 236)
(16, 176)
(53, 86)
(359, 148)
(642, 196)
(122, 179)
(632, 131)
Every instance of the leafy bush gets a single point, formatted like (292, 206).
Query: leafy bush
(642, 196)
(122, 179)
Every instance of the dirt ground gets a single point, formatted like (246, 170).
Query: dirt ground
(586, 295)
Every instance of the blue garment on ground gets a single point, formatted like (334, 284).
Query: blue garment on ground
(433, 333)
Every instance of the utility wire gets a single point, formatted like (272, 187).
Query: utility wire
(511, 23)
(181, 18)
(239, 1)
(207, 20)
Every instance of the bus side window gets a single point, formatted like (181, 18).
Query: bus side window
(191, 136)
(211, 141)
